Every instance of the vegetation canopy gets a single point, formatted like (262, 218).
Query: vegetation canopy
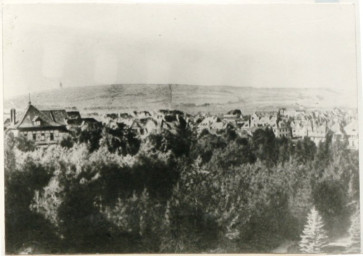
(112, 191)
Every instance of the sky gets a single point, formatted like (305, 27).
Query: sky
(260, 45)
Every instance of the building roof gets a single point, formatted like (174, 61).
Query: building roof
(31, 115)
(89, 120)
(170, 118)
(145, 120)
(351, 128)
(76, 122)
(136, 124)
(336, 128)
(74, 114)
(235, 112)
(125, 115)
(59, 116)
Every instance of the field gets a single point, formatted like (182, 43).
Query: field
(189, 98)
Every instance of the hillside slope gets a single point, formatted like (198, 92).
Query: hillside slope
(189, 98)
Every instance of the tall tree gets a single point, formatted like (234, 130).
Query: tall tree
(354, 234)
(314, 237)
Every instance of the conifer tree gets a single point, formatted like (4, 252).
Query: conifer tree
(314, 237)
(354, 234)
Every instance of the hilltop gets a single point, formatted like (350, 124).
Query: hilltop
(189, 98)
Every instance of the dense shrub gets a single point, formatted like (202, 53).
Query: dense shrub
(23, 179)
(67, 142)
(108, 190)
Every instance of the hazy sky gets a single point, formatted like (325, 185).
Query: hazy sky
(241, 45)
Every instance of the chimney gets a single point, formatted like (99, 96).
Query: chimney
(13, 116)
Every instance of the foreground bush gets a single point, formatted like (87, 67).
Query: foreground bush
(175, 192)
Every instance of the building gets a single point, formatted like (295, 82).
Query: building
(150, 125)
(233, 115)
(351, 132)
(264, 119)
(43, 127)
(336, 129)
(75, 121)
(282, 129)
(89, 123)
(299, 129)
(6, 123)
(319, 132)
(73, 115)
(244, 122)
(212, 124)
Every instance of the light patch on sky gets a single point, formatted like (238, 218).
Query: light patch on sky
(280, 45)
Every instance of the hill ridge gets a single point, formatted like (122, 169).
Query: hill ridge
(186, 97)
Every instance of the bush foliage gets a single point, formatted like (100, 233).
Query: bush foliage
(108, 191)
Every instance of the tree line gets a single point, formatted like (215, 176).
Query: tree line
(106, 190)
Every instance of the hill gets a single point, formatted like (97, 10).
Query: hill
(189, 98)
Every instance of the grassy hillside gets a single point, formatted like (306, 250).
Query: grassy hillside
(190, 98)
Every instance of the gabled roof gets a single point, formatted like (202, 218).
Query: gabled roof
(89, 119)
(74, 114)
(125, 115)
(336, 128)
(170, 118)
(139, 113)
(165, 125)
(145, 120)
(235, 112)
(36, 118)
(282, 124)
(31, 115)
(351, 128)
(7, 123)
(136, 124)
(76, 122)
(58, 115)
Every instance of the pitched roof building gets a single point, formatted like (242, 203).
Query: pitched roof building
(352, 133)
(44, 127)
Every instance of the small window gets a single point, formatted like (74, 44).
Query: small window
(34, 136)
(51, 136)
(42, 136)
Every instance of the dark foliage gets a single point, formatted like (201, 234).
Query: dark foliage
(23, 225)
(121, 140)
(91, 137)
(111, 191)
(67, 142)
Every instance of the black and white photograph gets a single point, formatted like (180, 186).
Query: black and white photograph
(180, 127)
